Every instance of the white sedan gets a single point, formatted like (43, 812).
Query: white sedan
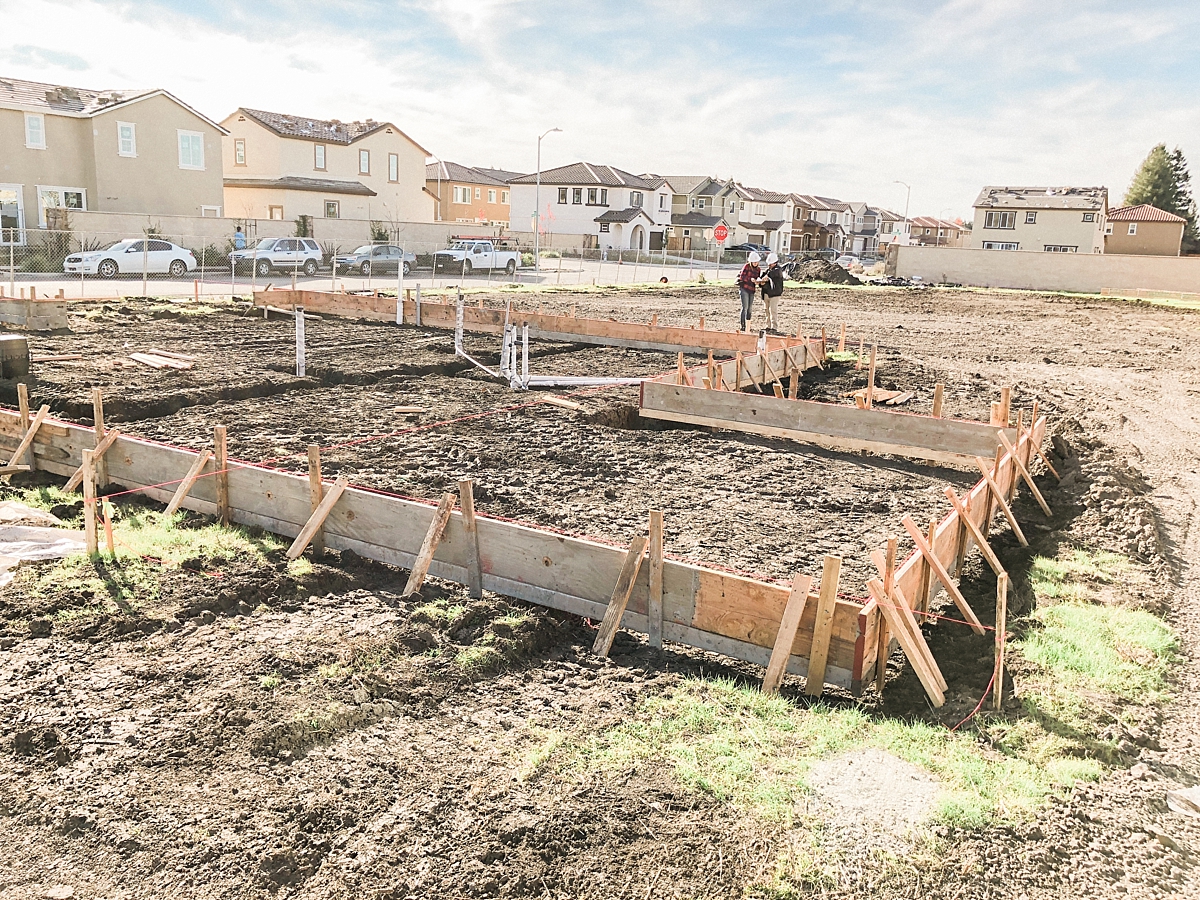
(847, 261)
(133, 256)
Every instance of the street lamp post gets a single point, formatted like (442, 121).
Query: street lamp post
(537, 202)
(907, 194)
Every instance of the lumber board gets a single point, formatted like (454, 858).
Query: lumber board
(911, 646)
(654, 611)
(786, 635)
(619, 600)
(827, 599)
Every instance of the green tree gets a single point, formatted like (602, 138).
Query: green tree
(1164, 181)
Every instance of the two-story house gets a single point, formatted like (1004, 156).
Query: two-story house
(818, 223)
(612, 208)
(466, 194)
(113, 151)
(765, 217)
(282, 167)
(1041, 219)
(929, 231)
(863, 228)
(893, 229)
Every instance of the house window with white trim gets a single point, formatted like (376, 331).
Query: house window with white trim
(604, 196)
(53, 197)
(126, 139)
(319, 157)
(1060, 248)
(1089, 217)
(12, 215)
(1108, 228)
(562, 195)
(332, 210)
(504, 197)
(364, 162)
(635, 199)
(1030, 218)
(210, 212)
(35, 131)
(592, 195)
(393, 167)
(995, 219)
(1133, 227)
(491, 195)
(604, 226)
(1001, 245)
(191, 150)
(576, 195)
(662, 201)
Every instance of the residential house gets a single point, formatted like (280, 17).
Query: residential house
(64, 148)
(466, 194)
(765, 217)
(282, 167)
(501, 174)
(864, 229)
(1144, 230)
(932, 232)
(698, 205)
(894, 230)
(614, 209)
(1041, 219)
(818, 223)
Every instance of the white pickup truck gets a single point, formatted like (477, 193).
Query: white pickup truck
(466, 256)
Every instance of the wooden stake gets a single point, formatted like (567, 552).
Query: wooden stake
(793, 612)
(885, 638)
(711, 367)
(23, 404)
(98, 420)
(942, 575)
(27, 440)
(1005, 406)
(429, 546)
(89, 504)
(842, 340)
(1033, 443)
(995, 419)
(1001, 637)
(862, 342)
(97, 455)
(824, 344)
(655, 607)
(620, 597)
(778, 389)
(980, 539)
(193, 474)
(914, 648)
(737, 371)
(930, 581)
(818, 655)
(998, 496)
(108, 531)
(221, 462)
(466, 501)
(871, 380)
(907, 616)
(683, 379)
(938, 394)
(1024, 473)
(316, 493)
(319, 515)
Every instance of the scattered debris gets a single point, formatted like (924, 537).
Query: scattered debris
(559, 401)
(891, 398)
(1185, 800)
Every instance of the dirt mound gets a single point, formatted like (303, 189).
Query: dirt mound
(822, 270)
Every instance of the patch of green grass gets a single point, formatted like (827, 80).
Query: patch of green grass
(844, 356)
(438, 612)
(151, 533)
(479, 659)
(1068, 577)
(270, 682)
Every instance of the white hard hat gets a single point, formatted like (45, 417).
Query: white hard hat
(753, 257)
(772, 258)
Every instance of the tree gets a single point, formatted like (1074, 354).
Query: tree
(1163, 181)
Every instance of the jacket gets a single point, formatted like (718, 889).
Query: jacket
(773, 287)
(748, 278)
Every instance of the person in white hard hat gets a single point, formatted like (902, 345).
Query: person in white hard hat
(772, 290)
(748, 281)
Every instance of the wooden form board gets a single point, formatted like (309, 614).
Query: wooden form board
(33, 315)
(544, 326)
(830, 425)
(716, 611)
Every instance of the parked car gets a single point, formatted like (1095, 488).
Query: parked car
(285, 254)
(132, 256)
(466, 256)
(375, 259)
(846, 261)
(748, 248)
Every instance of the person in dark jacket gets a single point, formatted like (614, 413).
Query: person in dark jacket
(772, 290)
(748, 280)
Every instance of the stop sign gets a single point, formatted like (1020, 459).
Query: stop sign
(720, 233)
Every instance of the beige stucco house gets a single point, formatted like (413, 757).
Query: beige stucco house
(467, 194)
(113, 151)
(1041, 219)
(1143, 230)
(282, 167)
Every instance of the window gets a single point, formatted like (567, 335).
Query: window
(1108, 228)
(462, 194)
(887, 228)
(476, 193)
(12, 216)
(364, 162)
(1000, 245)
(59, 198)
(604, 226)
(393, 167)
(604, 196)
(833, 219)
(1060, 248)
(319, 157)
(126, 139)
(210, 212)
(275, 212)
(592, 195)
(1031, 218)
(1133, 227)
(331, 209)
(35, 131)
(1089, 217)
(662, 201)
(562, 195)
(504, 197)
(927, 231)
(687, 232)
(761, 210)
(741, 206)
(995, 219)
(491, 195)
(701, 202)
(191, 150)
(635, 199)
(576, 195)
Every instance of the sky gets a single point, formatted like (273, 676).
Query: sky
(841, 99)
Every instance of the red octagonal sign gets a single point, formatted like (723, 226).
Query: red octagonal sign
(720, 233)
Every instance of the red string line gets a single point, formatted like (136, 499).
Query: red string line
(978, 706)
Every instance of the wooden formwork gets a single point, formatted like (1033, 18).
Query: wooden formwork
(33, 313)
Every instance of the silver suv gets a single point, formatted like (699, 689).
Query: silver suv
(283, 254)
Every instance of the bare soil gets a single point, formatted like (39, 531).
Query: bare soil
(252, 733)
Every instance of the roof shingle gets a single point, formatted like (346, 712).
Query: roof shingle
(1143, 212)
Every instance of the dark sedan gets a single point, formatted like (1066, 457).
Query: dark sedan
(377, 259)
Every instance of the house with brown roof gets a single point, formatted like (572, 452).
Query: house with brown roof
(1143, 230)
(765, 217)
(929, 231)
(280, 166)
(818, 223)
(136, 151)
(468, 195)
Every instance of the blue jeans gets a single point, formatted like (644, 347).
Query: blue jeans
(747, 300)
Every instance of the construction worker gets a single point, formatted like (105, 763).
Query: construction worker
(748, 281)
(772, 290)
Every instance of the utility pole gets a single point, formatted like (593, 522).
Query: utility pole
(537, 202)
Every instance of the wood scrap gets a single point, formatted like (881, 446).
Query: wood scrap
(159, 362)
(409, 409)
(793, 612)
(620, 596)
(57, 357)
(154, 351)
(553, 400)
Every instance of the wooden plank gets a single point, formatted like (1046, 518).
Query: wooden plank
(466, 502)
(655, 605)
(905, 614)
(89, 504)
(27, 440)
(998, 496)
(980, 540)
(1024, 473)
(912, 647)
(97, 454)
(320, 514)
(316, 493)
(620, 597)
(425, 555)
(1001, 637)
(888, 573)
(23, 404)
(562, 403)
(185, 486)
(943, 576)
(827, 600)
(793, 612)
(221, 463)
(1038, 449)
(98, 426)
(938, 395)
(870, 398)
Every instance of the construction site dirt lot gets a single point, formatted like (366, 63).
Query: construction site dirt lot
(227, 724)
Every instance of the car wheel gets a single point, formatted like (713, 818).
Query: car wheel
(107, 269)
(511, 268)
(365, 269)
(310, 268)
(178, 268)
(407, 270)
(466, 268)
(263, 267)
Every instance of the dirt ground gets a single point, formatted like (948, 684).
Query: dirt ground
(224, 741)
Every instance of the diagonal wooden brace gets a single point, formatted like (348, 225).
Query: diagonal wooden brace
(942, 575)
(1038, 450)
(1025, 473)
(428, 547)
(26, 441)
(998, 496)
(620, 596)
(189, 479)
(905, 612)
(110, 438)
(320, 514)
(786, 636)
(980, 538)
(911, 644)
